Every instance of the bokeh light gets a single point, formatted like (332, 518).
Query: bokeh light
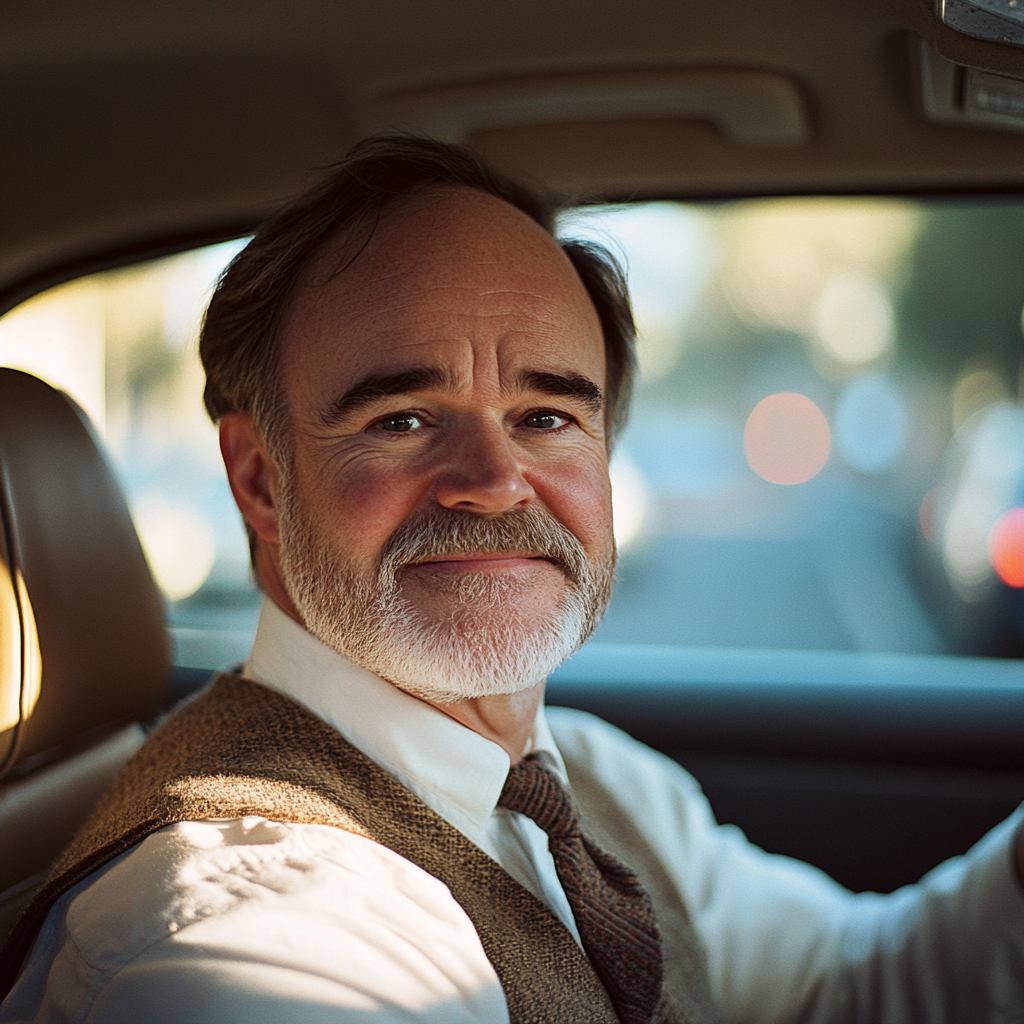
(853, 319)
(1006, 547)
(965, 534)
(782, 254)
(983, 474)
(975, 389)
(871, 423)
(629, 499)
(59, 336)
(179, 544)
(663, 247)
(787, 439)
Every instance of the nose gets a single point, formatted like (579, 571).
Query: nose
(482, 472)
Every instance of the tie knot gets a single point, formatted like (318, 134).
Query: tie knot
(531, 789)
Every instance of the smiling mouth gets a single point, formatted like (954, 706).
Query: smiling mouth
(485, 561)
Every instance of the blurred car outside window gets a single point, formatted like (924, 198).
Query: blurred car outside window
(826, 450)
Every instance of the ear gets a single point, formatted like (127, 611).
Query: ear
(252, 474)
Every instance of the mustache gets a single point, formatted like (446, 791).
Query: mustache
(441, 532)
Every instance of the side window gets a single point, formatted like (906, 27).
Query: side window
(827, 442)
(123, 344)
(826, 449)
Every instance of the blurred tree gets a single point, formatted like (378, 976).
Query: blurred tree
(963, 300)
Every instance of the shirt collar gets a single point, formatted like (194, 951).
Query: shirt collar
(455, 771)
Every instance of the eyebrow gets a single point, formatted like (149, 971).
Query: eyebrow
(384, 385)
(566, 385)
(435, 378)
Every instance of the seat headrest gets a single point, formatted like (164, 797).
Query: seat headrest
(82, 636)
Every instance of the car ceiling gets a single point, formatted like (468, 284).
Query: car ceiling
(127, 126)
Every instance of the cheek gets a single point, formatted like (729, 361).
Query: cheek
(362, 503)
(580, 496)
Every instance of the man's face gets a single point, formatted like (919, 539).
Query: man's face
(446, 517)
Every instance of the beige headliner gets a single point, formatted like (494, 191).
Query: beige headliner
(125, 122)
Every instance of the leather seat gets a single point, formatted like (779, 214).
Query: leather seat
(83, 646)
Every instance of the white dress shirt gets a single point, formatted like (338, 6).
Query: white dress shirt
(248, 920)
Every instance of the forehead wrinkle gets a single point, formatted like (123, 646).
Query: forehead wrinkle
(467, 282)
(399, 305)
(393, 275)
(415, 292)
(400, 327)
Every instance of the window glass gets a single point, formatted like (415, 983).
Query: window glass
(826, 449)
(827, 443)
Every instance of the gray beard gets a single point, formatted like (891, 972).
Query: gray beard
(490, 645)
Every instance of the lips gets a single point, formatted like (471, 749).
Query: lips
(482, 562)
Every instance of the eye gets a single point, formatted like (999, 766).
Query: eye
(402, 423)
(544, 420)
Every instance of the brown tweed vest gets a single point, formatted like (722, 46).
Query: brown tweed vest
(243, 749)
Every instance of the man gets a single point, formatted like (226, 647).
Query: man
(417, 389)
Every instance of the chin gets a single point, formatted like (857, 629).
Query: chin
(444, 635)
(485, 605)
(478, 651)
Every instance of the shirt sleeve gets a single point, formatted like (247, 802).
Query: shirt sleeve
(248, 920)
(786, 943)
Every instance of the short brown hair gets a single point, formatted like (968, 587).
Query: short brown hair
(238, 344)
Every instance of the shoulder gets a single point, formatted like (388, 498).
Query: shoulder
(261, 914)
(196, 871)
(599, 750)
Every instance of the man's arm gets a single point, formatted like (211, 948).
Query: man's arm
(785, 942)
(243, 920)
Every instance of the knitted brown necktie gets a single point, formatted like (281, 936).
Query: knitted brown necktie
(613, 912)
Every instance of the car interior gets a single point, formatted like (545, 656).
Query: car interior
(871, 726)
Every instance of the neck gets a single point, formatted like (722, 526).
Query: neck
(505, 719)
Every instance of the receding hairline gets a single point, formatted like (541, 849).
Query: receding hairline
(381, 175)
(349, 247)
(345, 247)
